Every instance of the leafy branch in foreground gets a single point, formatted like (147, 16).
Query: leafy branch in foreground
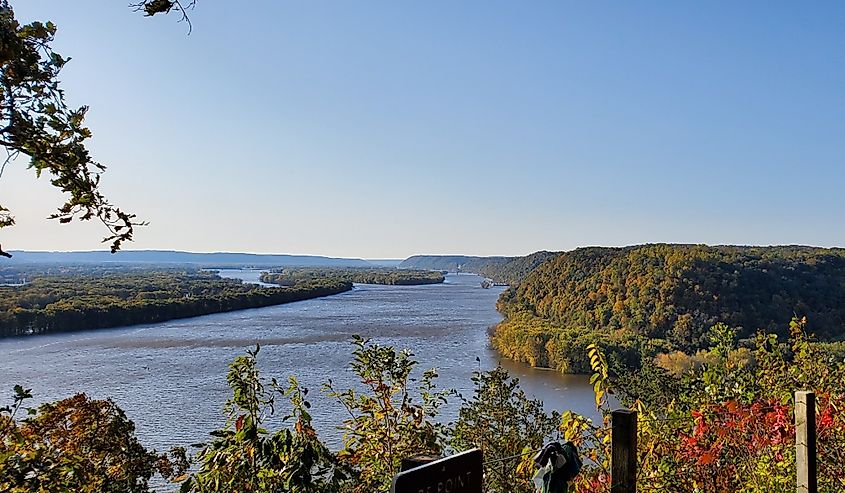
(244, 456)
(386, 424)
(78, 444)
(36, 121)
(154, 7)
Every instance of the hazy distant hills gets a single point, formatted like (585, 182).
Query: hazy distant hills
(176, 257)
(503, 269)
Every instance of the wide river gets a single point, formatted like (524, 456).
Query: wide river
(170, 377)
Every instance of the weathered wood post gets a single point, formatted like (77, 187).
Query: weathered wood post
(623, 459)
(805, 442)
(417, 461)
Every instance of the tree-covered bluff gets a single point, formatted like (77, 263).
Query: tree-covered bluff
(510, 270)
(451, 263)
(658, 298)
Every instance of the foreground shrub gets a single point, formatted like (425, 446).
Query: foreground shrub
(388, 421)
(80, 445)
(245, 457)
(507, 426)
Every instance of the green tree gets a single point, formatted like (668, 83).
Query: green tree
(505, 424)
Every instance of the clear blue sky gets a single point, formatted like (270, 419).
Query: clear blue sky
(385, 129)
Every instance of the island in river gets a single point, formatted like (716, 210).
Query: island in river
(86, 297)
(291, 276)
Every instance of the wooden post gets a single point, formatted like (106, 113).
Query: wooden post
(623, 459)
(417, 461)
(805, 442)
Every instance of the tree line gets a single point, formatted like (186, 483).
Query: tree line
(292, 276)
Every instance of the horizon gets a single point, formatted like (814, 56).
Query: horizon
(380, 130)
(370, 259)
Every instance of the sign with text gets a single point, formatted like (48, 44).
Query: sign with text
(461, 473)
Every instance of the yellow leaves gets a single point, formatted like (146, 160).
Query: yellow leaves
(573, 426)
(526, 464)
(598, 364)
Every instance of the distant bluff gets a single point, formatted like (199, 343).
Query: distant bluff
(509, 270)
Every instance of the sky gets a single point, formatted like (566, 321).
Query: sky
(381, 129)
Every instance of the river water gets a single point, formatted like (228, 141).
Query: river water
(170, 377)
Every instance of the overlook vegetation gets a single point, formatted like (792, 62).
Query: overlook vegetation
(659, 298)
(292, 276)
(78, 298)
(719, 428)
(392, 415)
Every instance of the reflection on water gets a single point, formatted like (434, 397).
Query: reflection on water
(171, 377)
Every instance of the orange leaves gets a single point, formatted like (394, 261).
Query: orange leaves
(706, 458)
(92, 438)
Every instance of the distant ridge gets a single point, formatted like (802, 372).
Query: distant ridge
(179, 257)
(464, 263)
(510, 270)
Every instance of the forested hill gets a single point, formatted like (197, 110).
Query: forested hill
(673, 293)
(510, 270)
(451, 263)
(516, 269)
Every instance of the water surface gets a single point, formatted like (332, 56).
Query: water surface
(170, 377)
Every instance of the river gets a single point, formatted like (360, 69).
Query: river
(170, 377)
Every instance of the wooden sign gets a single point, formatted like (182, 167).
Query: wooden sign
(461, 473)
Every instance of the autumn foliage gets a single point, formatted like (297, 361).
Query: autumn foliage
(725, 425)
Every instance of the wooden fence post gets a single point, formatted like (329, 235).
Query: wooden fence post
(417, 461)
(805, 442)
(623, 459)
